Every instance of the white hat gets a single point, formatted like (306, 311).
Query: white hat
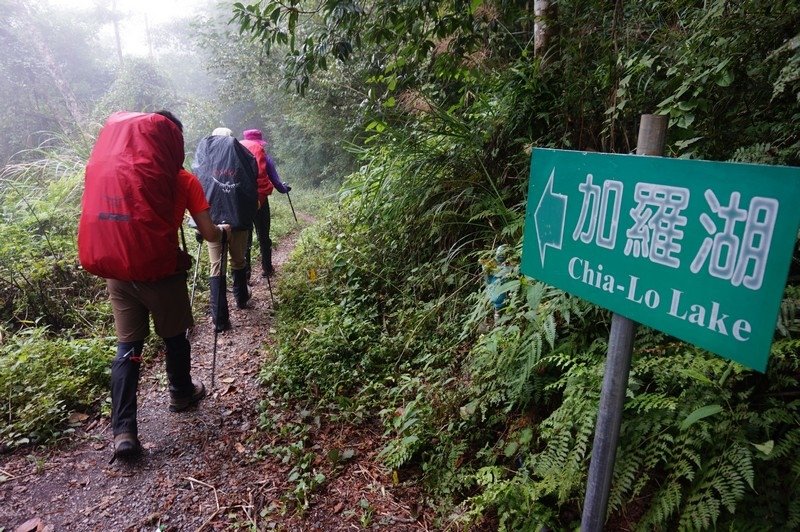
(222, 132)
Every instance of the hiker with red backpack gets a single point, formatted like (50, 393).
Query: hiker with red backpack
(135, 195)
(227, 172)
(268, 179)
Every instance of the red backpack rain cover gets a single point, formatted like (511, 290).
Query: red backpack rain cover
(127, 228)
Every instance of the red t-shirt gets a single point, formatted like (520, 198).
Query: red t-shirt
(190, 196)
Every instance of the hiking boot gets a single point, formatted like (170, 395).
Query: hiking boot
(179, 403)
(241, 291)
(241, 302)
(126, 446)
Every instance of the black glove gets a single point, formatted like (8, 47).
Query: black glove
(288, 187)
(198, 237)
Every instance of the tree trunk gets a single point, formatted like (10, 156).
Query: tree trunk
(116, 29)
(149, 37)
(544, 12)
(53, 69)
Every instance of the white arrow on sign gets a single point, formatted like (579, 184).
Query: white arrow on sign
(551, 210)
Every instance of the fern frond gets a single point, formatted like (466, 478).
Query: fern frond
(668, 500)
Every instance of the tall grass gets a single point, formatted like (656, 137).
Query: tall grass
(56, 325)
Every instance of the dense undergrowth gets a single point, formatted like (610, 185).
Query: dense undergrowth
(385, 308)
(56, 340)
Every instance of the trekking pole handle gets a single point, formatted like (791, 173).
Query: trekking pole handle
(224, 234)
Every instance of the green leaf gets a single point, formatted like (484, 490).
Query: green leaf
(511, 449)
(696, 375)
(533, 295)
(549, 327)
(468, 409)
(409, 440)
(686, 120)
(765, 447)
(495, 290)
(686, 143)
(333, 455)
(700, 413)
(725, 79)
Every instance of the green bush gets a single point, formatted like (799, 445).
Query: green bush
(43, 379)
(40, 280)
(47, 303)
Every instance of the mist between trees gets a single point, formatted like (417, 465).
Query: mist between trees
(64, 71)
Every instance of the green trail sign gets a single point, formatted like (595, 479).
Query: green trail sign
(697, 249)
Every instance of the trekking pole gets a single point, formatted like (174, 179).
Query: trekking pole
(196, 267)
(224, 256)
(292, 206)
(269, 285)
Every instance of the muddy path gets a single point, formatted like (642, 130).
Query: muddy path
(226, 464)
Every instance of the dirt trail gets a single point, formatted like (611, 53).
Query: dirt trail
(210, 468)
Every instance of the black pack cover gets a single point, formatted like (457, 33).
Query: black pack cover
(227, 171)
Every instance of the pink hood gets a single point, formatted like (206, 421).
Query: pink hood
(254, 134)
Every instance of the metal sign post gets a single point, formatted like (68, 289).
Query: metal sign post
(609, 421)
(652, 132)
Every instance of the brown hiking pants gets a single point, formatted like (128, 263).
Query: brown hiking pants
(167, 300)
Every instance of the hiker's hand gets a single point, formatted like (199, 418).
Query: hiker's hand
(225, 235)
(288, 187)
(210, 232)
(198, 237)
